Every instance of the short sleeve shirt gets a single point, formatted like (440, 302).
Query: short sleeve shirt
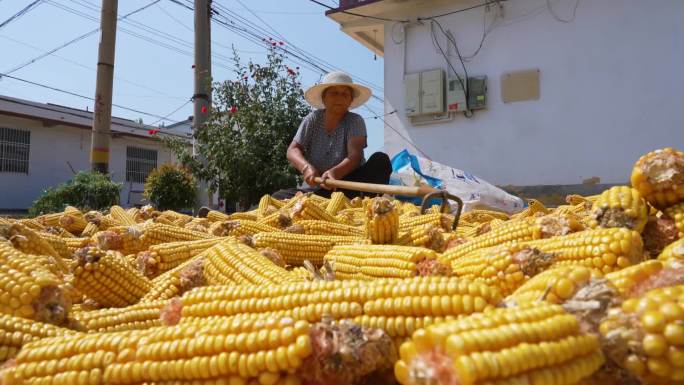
(326, 150)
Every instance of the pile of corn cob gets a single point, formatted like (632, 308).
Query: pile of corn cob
(338, 291)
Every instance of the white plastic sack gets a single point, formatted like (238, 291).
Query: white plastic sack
(411, 170)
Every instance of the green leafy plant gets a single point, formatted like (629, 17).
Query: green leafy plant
(170, 187)
(252, 122)
(86, 190)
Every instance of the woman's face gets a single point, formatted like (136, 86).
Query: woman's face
(337, 98)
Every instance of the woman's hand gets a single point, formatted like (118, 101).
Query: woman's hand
(330, 174)
(309, 174)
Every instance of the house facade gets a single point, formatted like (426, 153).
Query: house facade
(43, 145)
(575, 91)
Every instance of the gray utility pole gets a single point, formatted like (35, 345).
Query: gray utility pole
(102, 112)
(202, 96)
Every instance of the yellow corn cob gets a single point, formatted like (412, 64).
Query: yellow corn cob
(338, 202)
(652, 327)
(442, 220)
(74, 244)
(628, 279)
(302, 274)
(108, 278)
(554, 285)
(278, 220)
(126, 239)
(244, 227)
(519, 230)
(428, 236)
(178, 280)
(214, 216)
(524, 345)
(620, 206)
(159, 233)
(576, 199)
(659, 177)
(382, 221)
(49, 219)
(16, 332)
(414, 297)
(103, 222)
(57, 243)
(296, 248)
(504, 267)
(383, 261)
(674, 251)
(32, 223)
(120, 215)
(214, 350)
(140, 316)
(59, 231)
(29, 289)
(307, 208)
(196, 226)
(482, 216)
(90, 229)
(231, 262)
(27, 240)
(603, 249)
(352, 216)
(267, 205)
(73, 220)
(676, 212)
(314, 227)
(534, 207)
(166, 256)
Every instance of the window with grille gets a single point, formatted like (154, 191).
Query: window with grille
(14, 150)
(139, 163)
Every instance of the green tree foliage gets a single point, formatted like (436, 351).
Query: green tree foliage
(170, 187)
(87, 191)
(252, 122)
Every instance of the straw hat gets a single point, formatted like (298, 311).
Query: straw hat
(314, 95)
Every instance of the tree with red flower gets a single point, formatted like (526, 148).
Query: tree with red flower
(245, 151)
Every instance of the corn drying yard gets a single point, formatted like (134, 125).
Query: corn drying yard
(363, 291)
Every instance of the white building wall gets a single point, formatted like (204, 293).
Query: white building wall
(611, 89)
(51, 149)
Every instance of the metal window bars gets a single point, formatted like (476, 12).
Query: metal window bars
(15, 146)
(139, 163)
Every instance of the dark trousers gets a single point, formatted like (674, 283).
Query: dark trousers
(377, 169)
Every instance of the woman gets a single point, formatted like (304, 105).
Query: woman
(330, 140)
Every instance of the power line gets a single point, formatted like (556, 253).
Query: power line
(166, 117)
(259, 33)
(357, 14)
(175, 42)
(91, 68)
(77, 39)
(21, 13)
(407, 140)
(80, 96)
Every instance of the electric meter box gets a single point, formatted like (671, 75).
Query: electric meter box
(477, 92)
(424, 93)
(412, 103)
(456, 99)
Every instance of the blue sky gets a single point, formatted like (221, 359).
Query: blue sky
(156, 79)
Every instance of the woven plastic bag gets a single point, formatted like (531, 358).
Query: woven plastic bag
(476, 193)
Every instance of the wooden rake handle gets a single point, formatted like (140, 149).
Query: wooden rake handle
(420, 191)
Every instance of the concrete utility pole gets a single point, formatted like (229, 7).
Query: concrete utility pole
(102, 112)
(202, 96)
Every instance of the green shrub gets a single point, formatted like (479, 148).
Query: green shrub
(170, 187)
(87, 191)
